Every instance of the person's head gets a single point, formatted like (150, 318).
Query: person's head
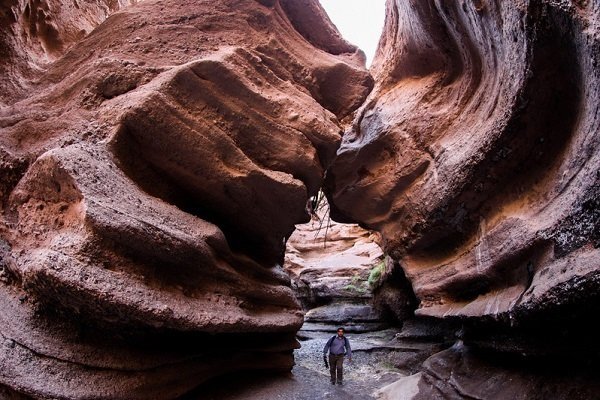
(340, 331)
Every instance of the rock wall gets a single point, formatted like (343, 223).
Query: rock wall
(477, 154)
(154, 161)
(34, 33)
(151, 172)
(331, 262)
(477, 157)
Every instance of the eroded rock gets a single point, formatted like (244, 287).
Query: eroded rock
(35, 33)
(477, 154)
(331, 262)
(462, 373)
(152, 177)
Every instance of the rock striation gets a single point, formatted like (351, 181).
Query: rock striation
(334, 268)
(477, 155)
(151, 172)
(477, 158)
(331, 262)
(35, 33)
(155, 157)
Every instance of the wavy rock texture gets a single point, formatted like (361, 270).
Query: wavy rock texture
(150, 177)
(477, 156)
(34, 33)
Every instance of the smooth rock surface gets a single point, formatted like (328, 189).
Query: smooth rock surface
(477, 154)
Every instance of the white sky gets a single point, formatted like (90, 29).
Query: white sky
(359, 21)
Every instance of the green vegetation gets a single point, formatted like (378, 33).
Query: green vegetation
(356, 289)
(357, 285)
(376, 273)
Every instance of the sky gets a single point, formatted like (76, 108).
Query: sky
(359, 21)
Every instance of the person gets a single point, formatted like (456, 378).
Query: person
(338, 347)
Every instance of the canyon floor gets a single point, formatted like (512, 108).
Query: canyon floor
(331, 265)
(309, 380)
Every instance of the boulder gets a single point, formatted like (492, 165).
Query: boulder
(460, 372)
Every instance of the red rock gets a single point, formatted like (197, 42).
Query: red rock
(151, 173)
(34, 33)
(476, 155)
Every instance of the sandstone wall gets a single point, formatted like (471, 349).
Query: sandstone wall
(34, 33)
(154, 160)
(151, 172)
(477, 155)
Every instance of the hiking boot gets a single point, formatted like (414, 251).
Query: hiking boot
(340, 383)
(333, 382)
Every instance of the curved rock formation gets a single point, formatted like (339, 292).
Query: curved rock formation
(477, 156)
(150, 177)
(152, 170)
(34, 33)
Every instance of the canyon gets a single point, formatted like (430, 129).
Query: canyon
(158, 159)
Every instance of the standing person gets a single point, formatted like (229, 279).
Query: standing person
(338, 346)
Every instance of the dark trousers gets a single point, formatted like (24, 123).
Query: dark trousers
(336, 365)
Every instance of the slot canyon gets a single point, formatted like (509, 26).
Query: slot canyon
(195, 194)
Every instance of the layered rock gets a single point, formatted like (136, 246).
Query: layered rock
(333, 267)
(477, 155)
(35, 33)
(329, 261)
(149, 180)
